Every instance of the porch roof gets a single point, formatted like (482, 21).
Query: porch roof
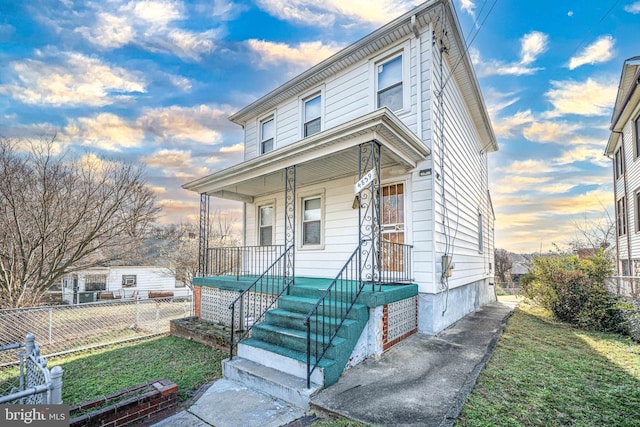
(325, 156)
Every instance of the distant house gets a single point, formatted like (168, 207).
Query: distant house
(121, 282)
(365, 182)
(623, 148)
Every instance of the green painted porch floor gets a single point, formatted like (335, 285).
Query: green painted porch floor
(380, 295)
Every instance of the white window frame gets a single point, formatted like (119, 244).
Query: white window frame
(400, 50)
(622, 228)
(261, 121)
(618, 162)
(265, 204)
(635, 131)
(312, 195)
(307, 96)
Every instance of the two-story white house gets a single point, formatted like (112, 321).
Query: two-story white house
(365, 190)
(623, 148)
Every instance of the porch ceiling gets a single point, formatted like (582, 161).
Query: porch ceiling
(328, 155)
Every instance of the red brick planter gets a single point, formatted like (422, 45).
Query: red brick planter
(154, 397)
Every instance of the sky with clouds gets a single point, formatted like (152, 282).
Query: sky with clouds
(153, 81)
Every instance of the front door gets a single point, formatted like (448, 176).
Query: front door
(392, 226)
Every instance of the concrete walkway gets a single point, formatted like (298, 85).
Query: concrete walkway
(423, 381)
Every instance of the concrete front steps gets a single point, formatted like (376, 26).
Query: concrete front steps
(274, 359)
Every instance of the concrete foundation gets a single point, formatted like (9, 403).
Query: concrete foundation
(437, 311)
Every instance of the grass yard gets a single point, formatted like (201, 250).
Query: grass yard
(99, 372)
(545, 373)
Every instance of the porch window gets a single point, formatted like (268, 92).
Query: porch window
(267, 133)
(312, 115)
(312, 221)
(95, 282)
(389, 84)
(128, 280)
(619, 163)
(621, 214)
(266, 225)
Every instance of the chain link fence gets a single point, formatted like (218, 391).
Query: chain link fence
(65, 329)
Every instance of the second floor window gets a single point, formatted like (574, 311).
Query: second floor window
(619, 163)
(636, 140)
(312, 115)
(389, 84)
(267, 133)
(266, 225)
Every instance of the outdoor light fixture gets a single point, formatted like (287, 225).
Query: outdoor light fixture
(425, 172)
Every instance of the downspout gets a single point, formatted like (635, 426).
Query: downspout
(416, 32)
(626, 203)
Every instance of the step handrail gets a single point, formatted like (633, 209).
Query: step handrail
(328, 304)
(270, 283)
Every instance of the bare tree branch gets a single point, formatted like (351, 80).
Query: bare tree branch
(60, 214)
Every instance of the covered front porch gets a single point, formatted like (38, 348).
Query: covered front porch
(324, 239)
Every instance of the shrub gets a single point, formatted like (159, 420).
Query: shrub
(573, 289)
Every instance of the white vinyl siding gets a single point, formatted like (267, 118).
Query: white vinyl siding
(464, 175)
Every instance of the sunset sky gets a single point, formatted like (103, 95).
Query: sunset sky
(154, 82)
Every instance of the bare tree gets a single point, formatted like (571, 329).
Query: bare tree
(60, 214)
(592, 235)
(504, 263)
(182, 244)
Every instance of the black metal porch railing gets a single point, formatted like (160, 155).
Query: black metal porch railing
(331, 310)
(241, 261)
(395, 260)
(249, 308)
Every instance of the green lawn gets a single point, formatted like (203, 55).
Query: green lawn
(99, 372)
(545, 373)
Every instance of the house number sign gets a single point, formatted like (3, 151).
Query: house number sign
(364, 181)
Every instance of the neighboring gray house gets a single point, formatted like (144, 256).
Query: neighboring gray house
(365, 175)
(623, 148)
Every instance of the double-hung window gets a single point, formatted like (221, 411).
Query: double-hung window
(619, 163)
(621, 213)
(265, 225)
(267, 133)
(637, 211)
(636, 136)
(312, 221)
(312, 115)
(389, 84)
